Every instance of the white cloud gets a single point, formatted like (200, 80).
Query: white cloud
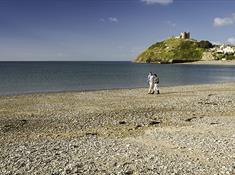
(219, 22)
(113, 19)
(109, 19)
(223, 21)
(231, 40)
(162, 2)
(170, 23)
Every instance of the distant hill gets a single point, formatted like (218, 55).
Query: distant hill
(179, 50)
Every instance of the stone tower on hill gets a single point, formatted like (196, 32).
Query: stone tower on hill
(185, 35)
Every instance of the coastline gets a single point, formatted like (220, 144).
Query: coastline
(212, 62)
(109, 89)
(120, 131)
(202, 62)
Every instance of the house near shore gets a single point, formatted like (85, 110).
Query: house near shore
(225, 49)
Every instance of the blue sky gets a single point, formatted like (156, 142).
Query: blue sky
(106, 30)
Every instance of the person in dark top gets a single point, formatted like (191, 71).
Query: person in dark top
(156, 84)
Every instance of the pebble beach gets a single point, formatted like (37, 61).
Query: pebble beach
(184, 130)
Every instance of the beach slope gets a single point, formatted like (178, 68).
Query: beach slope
(183, 130)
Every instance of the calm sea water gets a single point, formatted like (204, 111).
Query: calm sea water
(27, 77)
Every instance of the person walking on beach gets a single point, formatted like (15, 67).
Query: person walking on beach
(156, 84)
(150, 73)
(151, 83)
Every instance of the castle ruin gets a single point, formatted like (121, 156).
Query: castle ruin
(185, 35)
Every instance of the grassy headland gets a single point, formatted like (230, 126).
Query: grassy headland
(178, 50)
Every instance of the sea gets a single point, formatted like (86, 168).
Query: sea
(32, 77)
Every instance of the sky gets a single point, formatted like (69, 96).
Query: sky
(106, 30)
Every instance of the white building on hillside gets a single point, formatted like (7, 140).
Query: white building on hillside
(229, 49)
(226, 49)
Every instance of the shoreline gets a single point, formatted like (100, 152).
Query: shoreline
(212, 62)
(201, 62)
(125, 131)
(111, 89)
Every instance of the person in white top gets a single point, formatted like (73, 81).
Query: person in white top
(150, 73)
(151, 83)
